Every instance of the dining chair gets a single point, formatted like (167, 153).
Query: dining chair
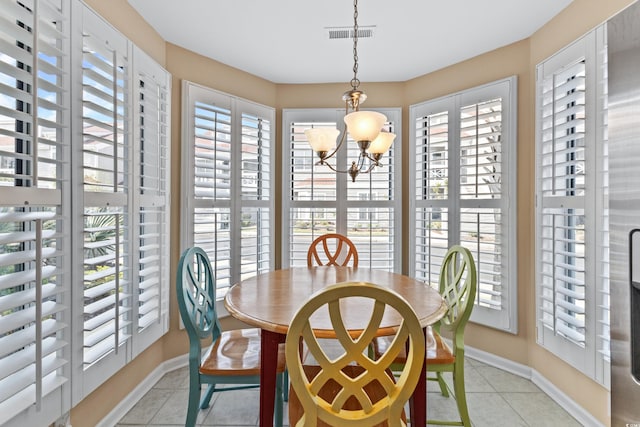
(336, 249)
(458, 282)
(346, 387)
(233, 358)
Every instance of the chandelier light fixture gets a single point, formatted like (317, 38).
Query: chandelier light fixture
(365, 127)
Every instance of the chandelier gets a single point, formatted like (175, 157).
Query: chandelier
(365, 127)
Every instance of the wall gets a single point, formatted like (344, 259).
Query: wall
(517, 59)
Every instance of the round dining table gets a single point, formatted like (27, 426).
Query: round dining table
(270, 300)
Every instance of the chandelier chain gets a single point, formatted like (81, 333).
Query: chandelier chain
(355, 82)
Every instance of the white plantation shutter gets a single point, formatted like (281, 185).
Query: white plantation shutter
(152, 156)
(256, 194)
(228, 180)
(481, 199)
(572, 213)
(463, 188)
(34, 212)
(318, 200)
(562, 190)
(431, 193)
(107, 218)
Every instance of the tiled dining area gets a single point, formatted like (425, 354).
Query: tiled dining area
(495, 398)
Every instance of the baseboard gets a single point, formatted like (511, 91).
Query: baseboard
(576, 411)
(141, 389)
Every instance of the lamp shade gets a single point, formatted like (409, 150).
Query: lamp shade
(381, 144)
(322, 139)
(364, 125)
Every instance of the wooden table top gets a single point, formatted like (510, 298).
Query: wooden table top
(270, 300)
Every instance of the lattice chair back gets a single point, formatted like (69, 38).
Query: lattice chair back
(458, 287)
(351, 371)
(332, 249)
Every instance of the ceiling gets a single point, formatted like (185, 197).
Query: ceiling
(286, 41)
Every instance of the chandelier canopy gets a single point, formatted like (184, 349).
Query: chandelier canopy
(365, 127)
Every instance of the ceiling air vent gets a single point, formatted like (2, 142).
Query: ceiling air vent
(347, 32)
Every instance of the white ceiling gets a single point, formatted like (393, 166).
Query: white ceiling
(286, 41)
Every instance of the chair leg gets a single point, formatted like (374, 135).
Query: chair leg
(278, 410)
(192, 408)
(444, 389)
(206, 399)
(461, 396)
(285, 385)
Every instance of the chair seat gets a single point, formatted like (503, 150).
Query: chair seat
(437, 351)
(236, 353)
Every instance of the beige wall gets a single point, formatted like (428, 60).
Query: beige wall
(517, 59)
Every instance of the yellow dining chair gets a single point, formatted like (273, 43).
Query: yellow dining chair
(336, 249)
(347, 388)
(458, 284)
(233, 358)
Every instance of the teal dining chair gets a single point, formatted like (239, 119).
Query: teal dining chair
(233, 358)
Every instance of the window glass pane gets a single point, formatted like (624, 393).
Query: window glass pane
(372, 232)
(481, 233)
(255, 230)
(256, 158)
(306, 224)
(212, 146)
(481, 150)
(432, 160)
(563, 273)
(107, 282)
(212, 232)
(309, 182)
(432, 243)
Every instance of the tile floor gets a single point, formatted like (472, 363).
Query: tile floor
(495, 398)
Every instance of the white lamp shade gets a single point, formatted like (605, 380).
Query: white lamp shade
(364, 125)
(322, 139)
(381, 144)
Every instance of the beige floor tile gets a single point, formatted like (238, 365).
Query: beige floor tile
(506, 382)
(491, 410)
(175, 379)
(236, 408)
(538, 410)
(144, 411)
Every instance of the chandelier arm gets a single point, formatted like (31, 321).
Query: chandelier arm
(370, 168)
(375, 160)
(330, 166)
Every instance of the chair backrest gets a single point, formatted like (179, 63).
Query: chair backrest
(458, 283)
(350, 370)
(195, 290)
(336, 249)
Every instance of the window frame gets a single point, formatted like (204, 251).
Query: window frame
(341, 205)
(506, 318)
(235, 203)
(591, 359)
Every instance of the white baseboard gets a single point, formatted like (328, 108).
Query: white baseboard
(141, 389)
(576, 411)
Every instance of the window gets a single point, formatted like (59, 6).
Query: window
(227, 182)
(572, 215)
(122, 218)
(112, 304)
(35, 233)
(317, 200)
(464, 192)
